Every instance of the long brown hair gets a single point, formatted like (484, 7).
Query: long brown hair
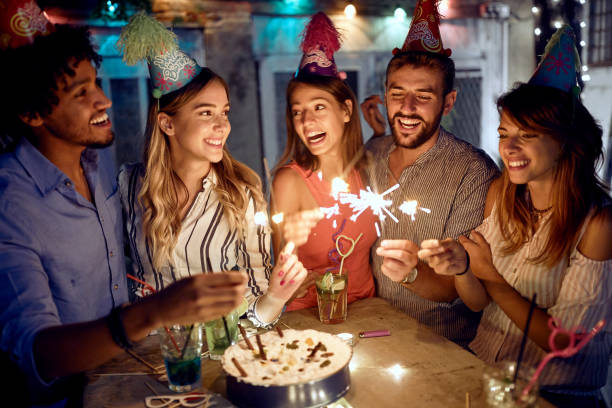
(159, 194)
(352, 142)
(576, 187)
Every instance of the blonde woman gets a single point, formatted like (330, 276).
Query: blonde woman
(190, 207)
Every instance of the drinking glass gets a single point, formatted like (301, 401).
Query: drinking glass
(501, 391)
(332, 289)
(181, 347)
(217, 334)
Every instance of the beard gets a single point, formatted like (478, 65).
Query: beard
(427, 131)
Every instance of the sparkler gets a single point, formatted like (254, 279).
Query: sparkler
(369, 199)
(410, 208)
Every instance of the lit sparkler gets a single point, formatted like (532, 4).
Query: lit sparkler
(369, 199)
(261, 218)
(410, 208)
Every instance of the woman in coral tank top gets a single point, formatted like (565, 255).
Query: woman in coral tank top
(323, 138)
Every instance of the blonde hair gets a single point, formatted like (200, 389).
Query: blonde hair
(236, 184)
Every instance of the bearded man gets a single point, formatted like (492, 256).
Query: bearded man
(443, 173)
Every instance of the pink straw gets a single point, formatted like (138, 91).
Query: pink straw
(571, 349)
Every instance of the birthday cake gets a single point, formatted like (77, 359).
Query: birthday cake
(299, 356)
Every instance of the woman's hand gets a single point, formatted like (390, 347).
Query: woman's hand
(297, 227)
(481, 259)
(287, 275)
(446, 257)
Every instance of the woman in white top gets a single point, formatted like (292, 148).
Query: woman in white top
(190, 208)
(547, 231)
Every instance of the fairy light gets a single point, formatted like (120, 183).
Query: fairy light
(399, 14)
(350, 11)
(535, 10)
(582, 43)
(586, 78)
(582, 1)
(557, 24)
(583, 24)
(585, 68)
(537, 31)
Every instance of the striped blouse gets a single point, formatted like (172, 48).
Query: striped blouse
(206, 243)
(451, 179)
(578, 294)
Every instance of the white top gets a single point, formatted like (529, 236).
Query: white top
(288, 358)
(206, 243)
(578, 293)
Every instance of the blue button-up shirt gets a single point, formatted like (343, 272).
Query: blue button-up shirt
(61, 256)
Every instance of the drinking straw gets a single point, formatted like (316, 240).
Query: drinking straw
(227, 333)
(524, 339)
(152, 289)
(343, 256)
(571, 349)
(186, 341)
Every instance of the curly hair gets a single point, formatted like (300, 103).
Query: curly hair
(34, 72)
(159, 194)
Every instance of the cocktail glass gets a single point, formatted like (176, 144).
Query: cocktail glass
(332, 289)
(181, 347)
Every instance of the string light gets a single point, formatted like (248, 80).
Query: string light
(399, 14)
(586, 78)
(535, 10)
(582, 24)
(582, 1)
(537, 31)
(585, 68)
(350, 11)
(582, 43)
(557, 24)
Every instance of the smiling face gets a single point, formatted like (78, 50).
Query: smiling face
(319, 119)
(80, 116)
(199, 129)
(415, 104)
(529, 156)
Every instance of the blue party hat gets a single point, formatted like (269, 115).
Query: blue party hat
(169, 67)
(560, 64)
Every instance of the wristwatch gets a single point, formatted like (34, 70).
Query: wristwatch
(411, 277)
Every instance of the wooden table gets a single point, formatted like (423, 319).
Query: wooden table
(411, 367)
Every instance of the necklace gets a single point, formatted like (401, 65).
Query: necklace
(541, 212)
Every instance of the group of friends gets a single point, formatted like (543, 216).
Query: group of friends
(540, 229)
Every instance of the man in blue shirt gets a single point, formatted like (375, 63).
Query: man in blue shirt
(63, 289)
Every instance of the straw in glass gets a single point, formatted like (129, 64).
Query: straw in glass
(152, 289)
(524, 339)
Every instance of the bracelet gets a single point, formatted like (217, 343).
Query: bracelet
(117, 329)
(467, 266)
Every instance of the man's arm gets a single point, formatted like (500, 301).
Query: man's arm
(67, 349)
(400, 256)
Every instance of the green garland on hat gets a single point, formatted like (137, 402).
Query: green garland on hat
(144, 37)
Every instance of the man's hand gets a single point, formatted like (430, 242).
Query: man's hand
(399, 257)
(199, 298)
(373, 116)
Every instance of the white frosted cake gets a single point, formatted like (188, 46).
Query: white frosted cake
(289, 358)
